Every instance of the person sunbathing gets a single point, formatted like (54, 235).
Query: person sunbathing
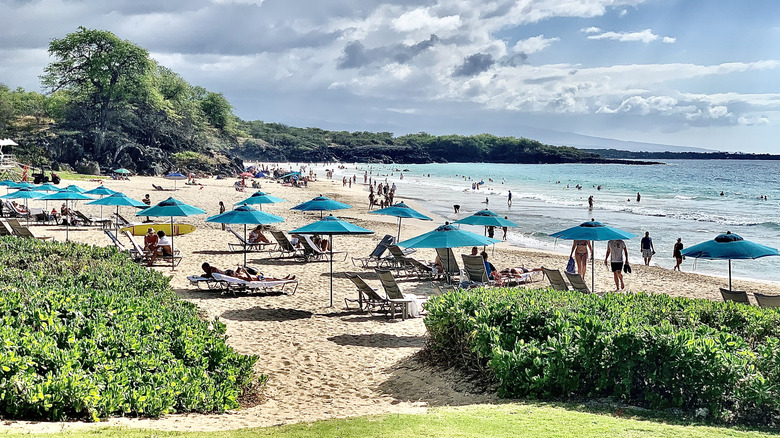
(210, 270)
(250, 274)
(257, 236)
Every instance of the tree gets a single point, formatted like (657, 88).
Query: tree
(218, 111)
(100, 70)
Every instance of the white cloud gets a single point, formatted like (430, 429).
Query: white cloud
(591, 30)
(752, 120)
(669, 40)
(644, 36)
(422, 19)
(534, 44)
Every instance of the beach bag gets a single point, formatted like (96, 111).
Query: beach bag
(570, 267)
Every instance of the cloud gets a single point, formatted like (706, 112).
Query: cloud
(474, 64)
(645, 36)
(534, 44)
(356, 55)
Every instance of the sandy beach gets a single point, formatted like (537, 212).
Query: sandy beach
(327, 362)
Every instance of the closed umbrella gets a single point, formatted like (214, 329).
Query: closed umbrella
(321, 203)
(259, 198)
(727, 247)
(118, 200)
(67, 195)
(447, 236)
(175, 176)
(245, 215)
(401, 211)
(331, 226)
(171, 207)
(593, 231)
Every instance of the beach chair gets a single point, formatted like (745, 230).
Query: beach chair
(146, 256)
(375, 260)
(122, 222)
(400, 261)
(474, 267)
(312, 251)
(735, 296)
(556, 279)
(20, 230)
(449, 262)
(423, 269)
(120, 246)
(234, 284)
(210, 282)
(410, 304)
(5, 230)
(239, 247)
(81, 217)
(284, 247)
(577, 283)
(14, 210)
(161, 189)
(764, 300)
(368, 299)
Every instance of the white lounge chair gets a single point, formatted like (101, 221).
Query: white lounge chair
(237, 284)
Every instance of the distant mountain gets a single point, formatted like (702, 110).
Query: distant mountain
(580, 141)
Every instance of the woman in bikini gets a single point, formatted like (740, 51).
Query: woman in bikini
(580, 250)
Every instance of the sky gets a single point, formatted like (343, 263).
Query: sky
(698, 73)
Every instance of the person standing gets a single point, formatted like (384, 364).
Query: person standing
(638, 197)
(618, 253)
(590, 202)
(509, 199)
(148, 201)
(222, 210)
(646, 245)
(491, 231)
(579, 251)
(678, 247)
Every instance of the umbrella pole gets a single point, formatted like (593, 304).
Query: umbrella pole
(173, 250)
(399, 229)
(116, 220)
(593, 267)
(730, 274)
(244, 246)
(331, 270)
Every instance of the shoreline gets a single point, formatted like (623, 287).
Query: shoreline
(327, 362)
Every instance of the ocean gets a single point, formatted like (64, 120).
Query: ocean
(680, 198)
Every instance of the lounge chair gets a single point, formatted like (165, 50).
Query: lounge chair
(146, 256)
(234, 284)
(122, 222)
(410, 304)
(5, 230)
(120, 246)
(210, 282)
(375, 260)
(400, 261)
(449, 262)
(312, 251)
(103, 222)
(239, 247)
(285, 248)
(368, 299)
(14, 210)
(556, 279)
(764, 300)
(20, 230)
(423, 269)
(577, 283)
(474, 266)
(735, 296)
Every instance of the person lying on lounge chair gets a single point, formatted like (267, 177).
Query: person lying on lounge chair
(210, 270)
(323, 244)
(250, 274)
(257, 236)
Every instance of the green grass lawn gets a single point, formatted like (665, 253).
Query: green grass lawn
(505, 420)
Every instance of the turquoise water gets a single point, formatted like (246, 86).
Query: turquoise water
(678, 199)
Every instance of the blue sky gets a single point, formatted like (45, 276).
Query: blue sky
(700, 73)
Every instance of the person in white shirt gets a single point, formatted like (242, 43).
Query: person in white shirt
(616, 249)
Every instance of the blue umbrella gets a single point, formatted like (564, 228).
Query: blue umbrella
(118, 200)
(122, 170)
(24, 193)
(175, 176)
(171, 207)
(401, 211)
(74, 188)
(47, 188)
(331, 226)
(486, 218)
(593, 231)
(727, 247)
(321, 203)
(100, 191)
(245, 215)
(67, 195)
(7, 183)
(260, 198)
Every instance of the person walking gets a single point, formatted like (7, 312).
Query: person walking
(618, 254)
(509, 199)
(222, 210)
(646, 245)
(677, 254)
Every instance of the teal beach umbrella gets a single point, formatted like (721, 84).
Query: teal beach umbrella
(727, 247)
(321, 203)
(245, 215)
(118, 200)
(122, 171)
(25, 194)
(401, 211)
(100, 191)
(260, 198)
(174, 208)
(67, 195)
(331, 226)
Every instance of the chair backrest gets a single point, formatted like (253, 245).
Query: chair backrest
(5, 230)
(238, 236)
(475, 268)
(577, 283)
(556, 279)
(448, 260)
(114, 240)
(390, 286)
(310, 246)
(381, 247)
(736, 296)
(19, 229)
(364, 288)
(82, 216)
(397, 253)
(283, 241)
(767, 300)
(121, 219)
(138, 248)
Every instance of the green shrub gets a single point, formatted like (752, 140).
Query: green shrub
(87, 334)
(715, 360)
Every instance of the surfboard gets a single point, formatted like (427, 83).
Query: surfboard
(178, 229)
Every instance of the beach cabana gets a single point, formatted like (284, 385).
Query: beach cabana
(331, 226)
(245, 215)
(729, 246)
(401, 211)
(171, 207)
(594, 232)
(321, 203)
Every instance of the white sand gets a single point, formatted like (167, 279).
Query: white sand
(328, 362)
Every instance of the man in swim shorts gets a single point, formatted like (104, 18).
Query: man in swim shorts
(616, 249)
(647, 248)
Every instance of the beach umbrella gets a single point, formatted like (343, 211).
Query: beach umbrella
(447, 236)
(175, 176)
(595, 232)
(24, 185)
(321, 203)
(73, 188)
(401, 211)
(67, 195)
(119, 200)
(247, 175)
(100, 191)
(331, 226)
(174, 208)
(260, 198)
(24, 193)
(727, 247)
(122, 171)
(8, 142)
(245, 215)
(487, 218)
(7, 183)
(48, 187)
